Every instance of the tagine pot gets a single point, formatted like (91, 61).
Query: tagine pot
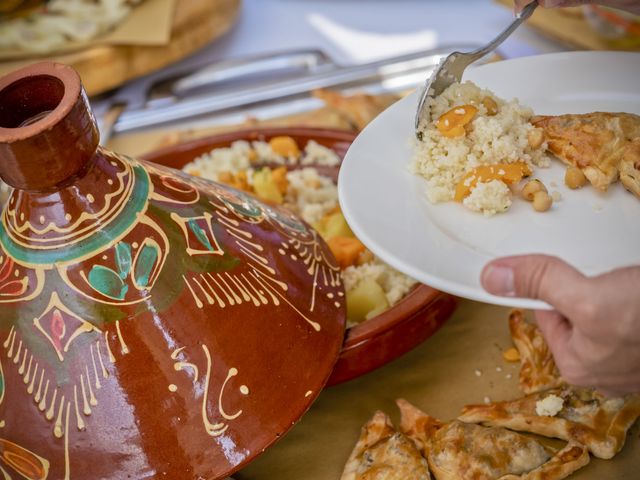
(152, 325)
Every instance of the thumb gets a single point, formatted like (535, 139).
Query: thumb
(539, 277)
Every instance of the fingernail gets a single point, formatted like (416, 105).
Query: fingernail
(499, 281)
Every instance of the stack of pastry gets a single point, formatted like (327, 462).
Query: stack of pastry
(483, 442)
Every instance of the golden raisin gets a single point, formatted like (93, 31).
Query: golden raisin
(491, 106)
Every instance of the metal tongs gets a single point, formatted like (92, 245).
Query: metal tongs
(452, 67)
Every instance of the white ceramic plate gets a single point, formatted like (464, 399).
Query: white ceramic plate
(446, 245)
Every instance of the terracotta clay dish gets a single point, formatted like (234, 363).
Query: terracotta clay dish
(152, 324)
(376, 341)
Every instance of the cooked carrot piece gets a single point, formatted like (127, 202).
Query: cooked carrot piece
(346, 250)
(279, 176)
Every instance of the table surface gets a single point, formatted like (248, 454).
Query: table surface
(439, 376)
(357, 31)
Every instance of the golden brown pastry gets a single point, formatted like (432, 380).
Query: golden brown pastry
(553, 408)
(538, 370)
(358, 109)
(584, 416)
(382, 453)
(459, 451)
(596, 143)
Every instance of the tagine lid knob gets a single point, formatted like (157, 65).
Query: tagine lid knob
(48, 134)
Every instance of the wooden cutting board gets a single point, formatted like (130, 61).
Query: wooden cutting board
(196, 23)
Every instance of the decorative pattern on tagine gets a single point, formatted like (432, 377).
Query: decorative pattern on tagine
(235, 211)
(15, 457)
(35, 239)
(18, 283)
(86, 278)
(218, 428)
(60, 326)
(64, 405)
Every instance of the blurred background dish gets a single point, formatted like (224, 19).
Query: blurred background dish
(154, 34)
(590, 27)
(46, 27)
(620, 29)
(16, 8)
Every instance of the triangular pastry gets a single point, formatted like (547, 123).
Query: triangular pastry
(553, 408)
(358, 109)
(382, 453)
(570, 413)
(459, 451)
(538, 370)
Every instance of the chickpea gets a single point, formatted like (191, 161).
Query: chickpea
(535, 138)
(313, 183)
(531, 188)
(491, 106)
(542, 201)
(574, 178)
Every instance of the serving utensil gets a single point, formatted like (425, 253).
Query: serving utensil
(452, 67)
(189, 100)
(169, 86)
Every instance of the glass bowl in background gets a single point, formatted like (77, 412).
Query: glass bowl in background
(619, 29)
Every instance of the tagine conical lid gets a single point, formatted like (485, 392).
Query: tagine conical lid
(152, 325)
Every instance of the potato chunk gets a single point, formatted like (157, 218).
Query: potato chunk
(334, 225)
(266, 187)
(365, 300)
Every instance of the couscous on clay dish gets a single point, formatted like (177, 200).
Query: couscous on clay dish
(266, 170)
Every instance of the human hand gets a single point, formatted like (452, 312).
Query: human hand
(632, 6)
(594, 331)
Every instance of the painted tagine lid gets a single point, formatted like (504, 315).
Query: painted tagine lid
(152, 325)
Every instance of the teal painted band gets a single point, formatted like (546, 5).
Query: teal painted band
(99, 239)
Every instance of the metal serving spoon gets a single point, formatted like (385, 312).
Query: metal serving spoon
(452, 67)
